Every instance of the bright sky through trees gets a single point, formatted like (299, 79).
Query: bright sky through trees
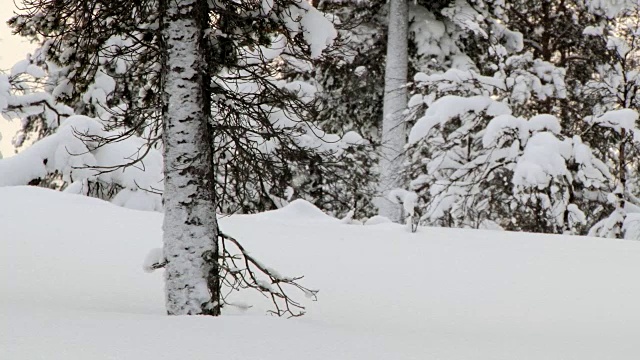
(12, 49)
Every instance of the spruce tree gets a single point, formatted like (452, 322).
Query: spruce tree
(108, 66)
(511, 52)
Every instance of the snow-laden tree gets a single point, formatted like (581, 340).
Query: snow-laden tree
(196, 84)
(349, 81)
(583, 78)
(350, 92)
(613, 125)
(100, 58)
(582, 53)
(454, 173)
(21, 99)
(554, 178)
(621, 126)
(496, 59)
(444, 34)
(97, 61)
(490, 169)
(107, 66)
(215, 91)
(78, 156)
(451, 106)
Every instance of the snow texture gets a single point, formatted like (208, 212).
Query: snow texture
(376, 220)
(446, 293)
(610, 8)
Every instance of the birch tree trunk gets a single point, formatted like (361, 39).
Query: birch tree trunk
(395, 102)
(190, 226)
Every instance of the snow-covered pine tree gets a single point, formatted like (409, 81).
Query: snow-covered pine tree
(597, 53)
(282, 151)
(552, 176)
(22, 99)
(458, 180)
(117, 80)
(499, 53)
(191, 62)
(350, 82)
(97, 58)
(220, 91)
(350, 85)
(452, 104)
(613, 124)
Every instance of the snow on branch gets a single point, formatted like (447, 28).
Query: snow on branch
(618, 120)
(316, 29)
(450, 107)
(610, 8)
(78, 154)
(409, 202)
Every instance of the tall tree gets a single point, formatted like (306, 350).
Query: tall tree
(203, 77)
(394, 134)
(105, 64)
(190, 225)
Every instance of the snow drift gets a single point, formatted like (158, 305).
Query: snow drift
(72, 287)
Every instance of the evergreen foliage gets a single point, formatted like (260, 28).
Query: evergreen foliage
(103, 61)
(522, 114)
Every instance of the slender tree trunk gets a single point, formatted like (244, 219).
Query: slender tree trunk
(395, 102)
(190, 226)
(622, 158)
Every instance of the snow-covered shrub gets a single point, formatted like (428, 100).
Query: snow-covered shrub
(78, 155)
(259, 119)
(453, 169)
(556, 180)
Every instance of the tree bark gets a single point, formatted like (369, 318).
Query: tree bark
(395, 101)
(190, 225)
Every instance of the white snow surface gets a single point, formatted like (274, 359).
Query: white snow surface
(72, 288)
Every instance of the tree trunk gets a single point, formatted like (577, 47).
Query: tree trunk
(190, 226)
(395, 102)
(622, 168)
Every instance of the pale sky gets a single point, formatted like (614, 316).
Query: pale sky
(12, 49)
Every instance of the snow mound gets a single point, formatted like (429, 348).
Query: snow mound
(64, 250)
(377, 219)
(297, 210)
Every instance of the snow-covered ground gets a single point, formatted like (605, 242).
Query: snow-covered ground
(72, 288)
